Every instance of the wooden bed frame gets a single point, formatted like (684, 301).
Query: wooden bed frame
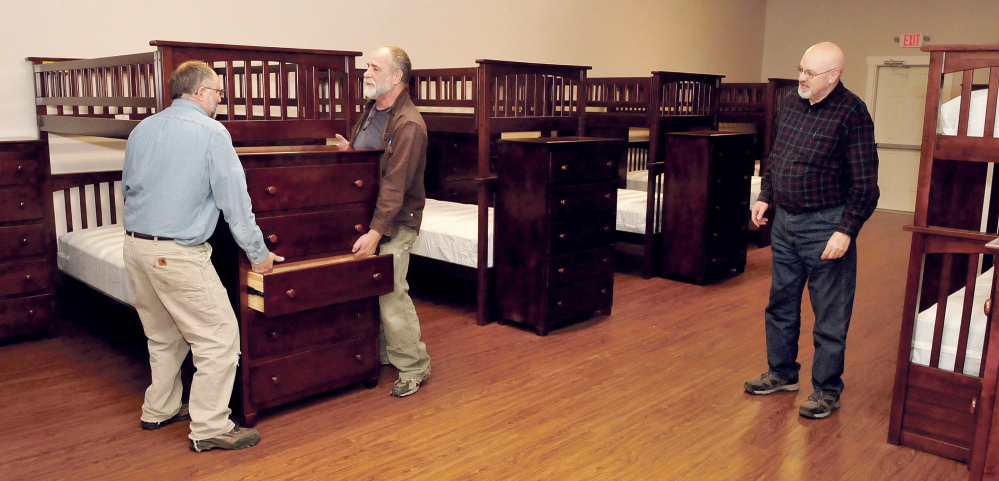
(272, 95)
(756, 104)
(939, 411)
(664, 102)
(466, 111)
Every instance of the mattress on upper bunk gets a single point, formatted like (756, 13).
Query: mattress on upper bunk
(449, 233)
(951, 110)
(922, 336)
(94, 257)
(639, 180)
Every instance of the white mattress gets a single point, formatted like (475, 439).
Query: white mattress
(639, 180)
(94, 256)
(951, 109)
(631, 210)
(922, 336)
(449, 233)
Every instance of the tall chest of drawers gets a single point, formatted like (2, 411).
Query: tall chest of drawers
(554, 228)
(706, 203)
(312, 324)
(26, 261)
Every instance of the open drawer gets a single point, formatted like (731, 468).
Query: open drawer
(303, 285)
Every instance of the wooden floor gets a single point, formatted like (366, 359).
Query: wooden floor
(653, 392)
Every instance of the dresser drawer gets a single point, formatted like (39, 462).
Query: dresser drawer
(582, 166)
(315, 233)
(15, 169)
(21, 241)
(19, 203)
(24, 277)
(279, 188)
(24, 315)
(304, 285)
(579, 300)
(574, 235)
(460, 191)
(577, 200)
(569, 268)
(268, 336)
(314, 371)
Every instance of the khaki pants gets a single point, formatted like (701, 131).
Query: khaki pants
(401, 344)
(184, 307)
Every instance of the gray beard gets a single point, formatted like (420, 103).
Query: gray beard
(805, 94)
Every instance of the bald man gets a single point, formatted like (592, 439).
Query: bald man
(823, 185)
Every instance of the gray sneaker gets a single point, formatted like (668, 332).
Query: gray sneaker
(183, 415)
(819, 405)
(237, 438)
(768, 383)
(406, 387)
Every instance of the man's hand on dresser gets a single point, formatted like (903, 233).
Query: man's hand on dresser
(268, 264)
(367, 244)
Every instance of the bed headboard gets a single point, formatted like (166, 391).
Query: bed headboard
(271, 94)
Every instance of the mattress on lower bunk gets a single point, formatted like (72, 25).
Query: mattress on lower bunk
(922, 336)
(449, 233)
(631, 210)
(639, 180)
(94, 257)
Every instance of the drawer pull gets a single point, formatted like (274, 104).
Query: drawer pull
(561, 270)
(276, 380)
(564, 202)
(272, 190)
(21, 205)
(603, 291)
(605, 260)
(359, 228)
(607, 228)
(358, 315)
(607, 196)
(31, 312)
(610, 164)
(559, 303)
(27, 278)
(377, 276)
(359, 183)
(273, 238)
(24, 241)
(359, 357)
(714, 234)
(291, 293)
(599, 312)
(561, 236)
(974, 404)
(565, 167)
(20, 168)
(273, 333)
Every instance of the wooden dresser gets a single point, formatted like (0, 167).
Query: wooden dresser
(312, 324)
(554, 228)
(706, 203)
(26, 260)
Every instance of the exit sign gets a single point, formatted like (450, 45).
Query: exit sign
(912, 39)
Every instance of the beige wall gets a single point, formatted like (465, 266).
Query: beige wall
(865, 28)
(616, 38)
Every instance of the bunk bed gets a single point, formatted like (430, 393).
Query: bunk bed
(948, 364)
(466, 111)
(623, 108)
(755, 105)
(311, 202)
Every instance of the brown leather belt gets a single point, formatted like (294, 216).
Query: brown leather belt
(139, 235)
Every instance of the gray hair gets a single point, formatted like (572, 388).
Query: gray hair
(189, 77)
(400, 60)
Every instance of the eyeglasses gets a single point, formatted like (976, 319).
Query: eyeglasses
(810, 75)
(221, 91)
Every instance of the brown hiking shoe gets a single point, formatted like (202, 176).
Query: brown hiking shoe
(183, 415)
(819, 405)
(769, 383)
(238, 438)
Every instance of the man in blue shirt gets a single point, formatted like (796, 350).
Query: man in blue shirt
(180, 173)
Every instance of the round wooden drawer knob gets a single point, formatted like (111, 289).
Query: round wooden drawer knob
(603, 291)
(358, 315)
(565, 167)
(559, 303)
(272, 190)
(275, 380)
(561, 236)
(561, 270)
(605, 260)
(563, 202)
(273, 238)
(27, 278)
(607, 195)
(291, 293)
(20, 168)
(988, 307)
(359, 183)
(359, 357)
(24, 241)
(610, 164)
(607, 228)
(21, 205)
(376, 276)
(31, 312)
(359, 228)
(273, 333)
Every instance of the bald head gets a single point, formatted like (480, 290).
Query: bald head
(819, 71)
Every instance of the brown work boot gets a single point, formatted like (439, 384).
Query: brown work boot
(237, 438)
(183, 415)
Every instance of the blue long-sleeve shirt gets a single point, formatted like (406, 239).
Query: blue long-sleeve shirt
(180, 172)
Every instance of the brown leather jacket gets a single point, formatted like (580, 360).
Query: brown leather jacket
(401, 194)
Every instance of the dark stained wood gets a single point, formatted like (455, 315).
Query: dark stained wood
(653, 391)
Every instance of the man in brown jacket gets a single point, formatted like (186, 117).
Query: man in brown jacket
(390, 121)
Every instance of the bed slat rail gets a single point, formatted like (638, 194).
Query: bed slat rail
(87, 199)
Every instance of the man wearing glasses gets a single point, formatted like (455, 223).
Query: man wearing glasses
(823, 185)
(180, 173)
(390, 121)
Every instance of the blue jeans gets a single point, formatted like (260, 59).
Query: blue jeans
(797, 244)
